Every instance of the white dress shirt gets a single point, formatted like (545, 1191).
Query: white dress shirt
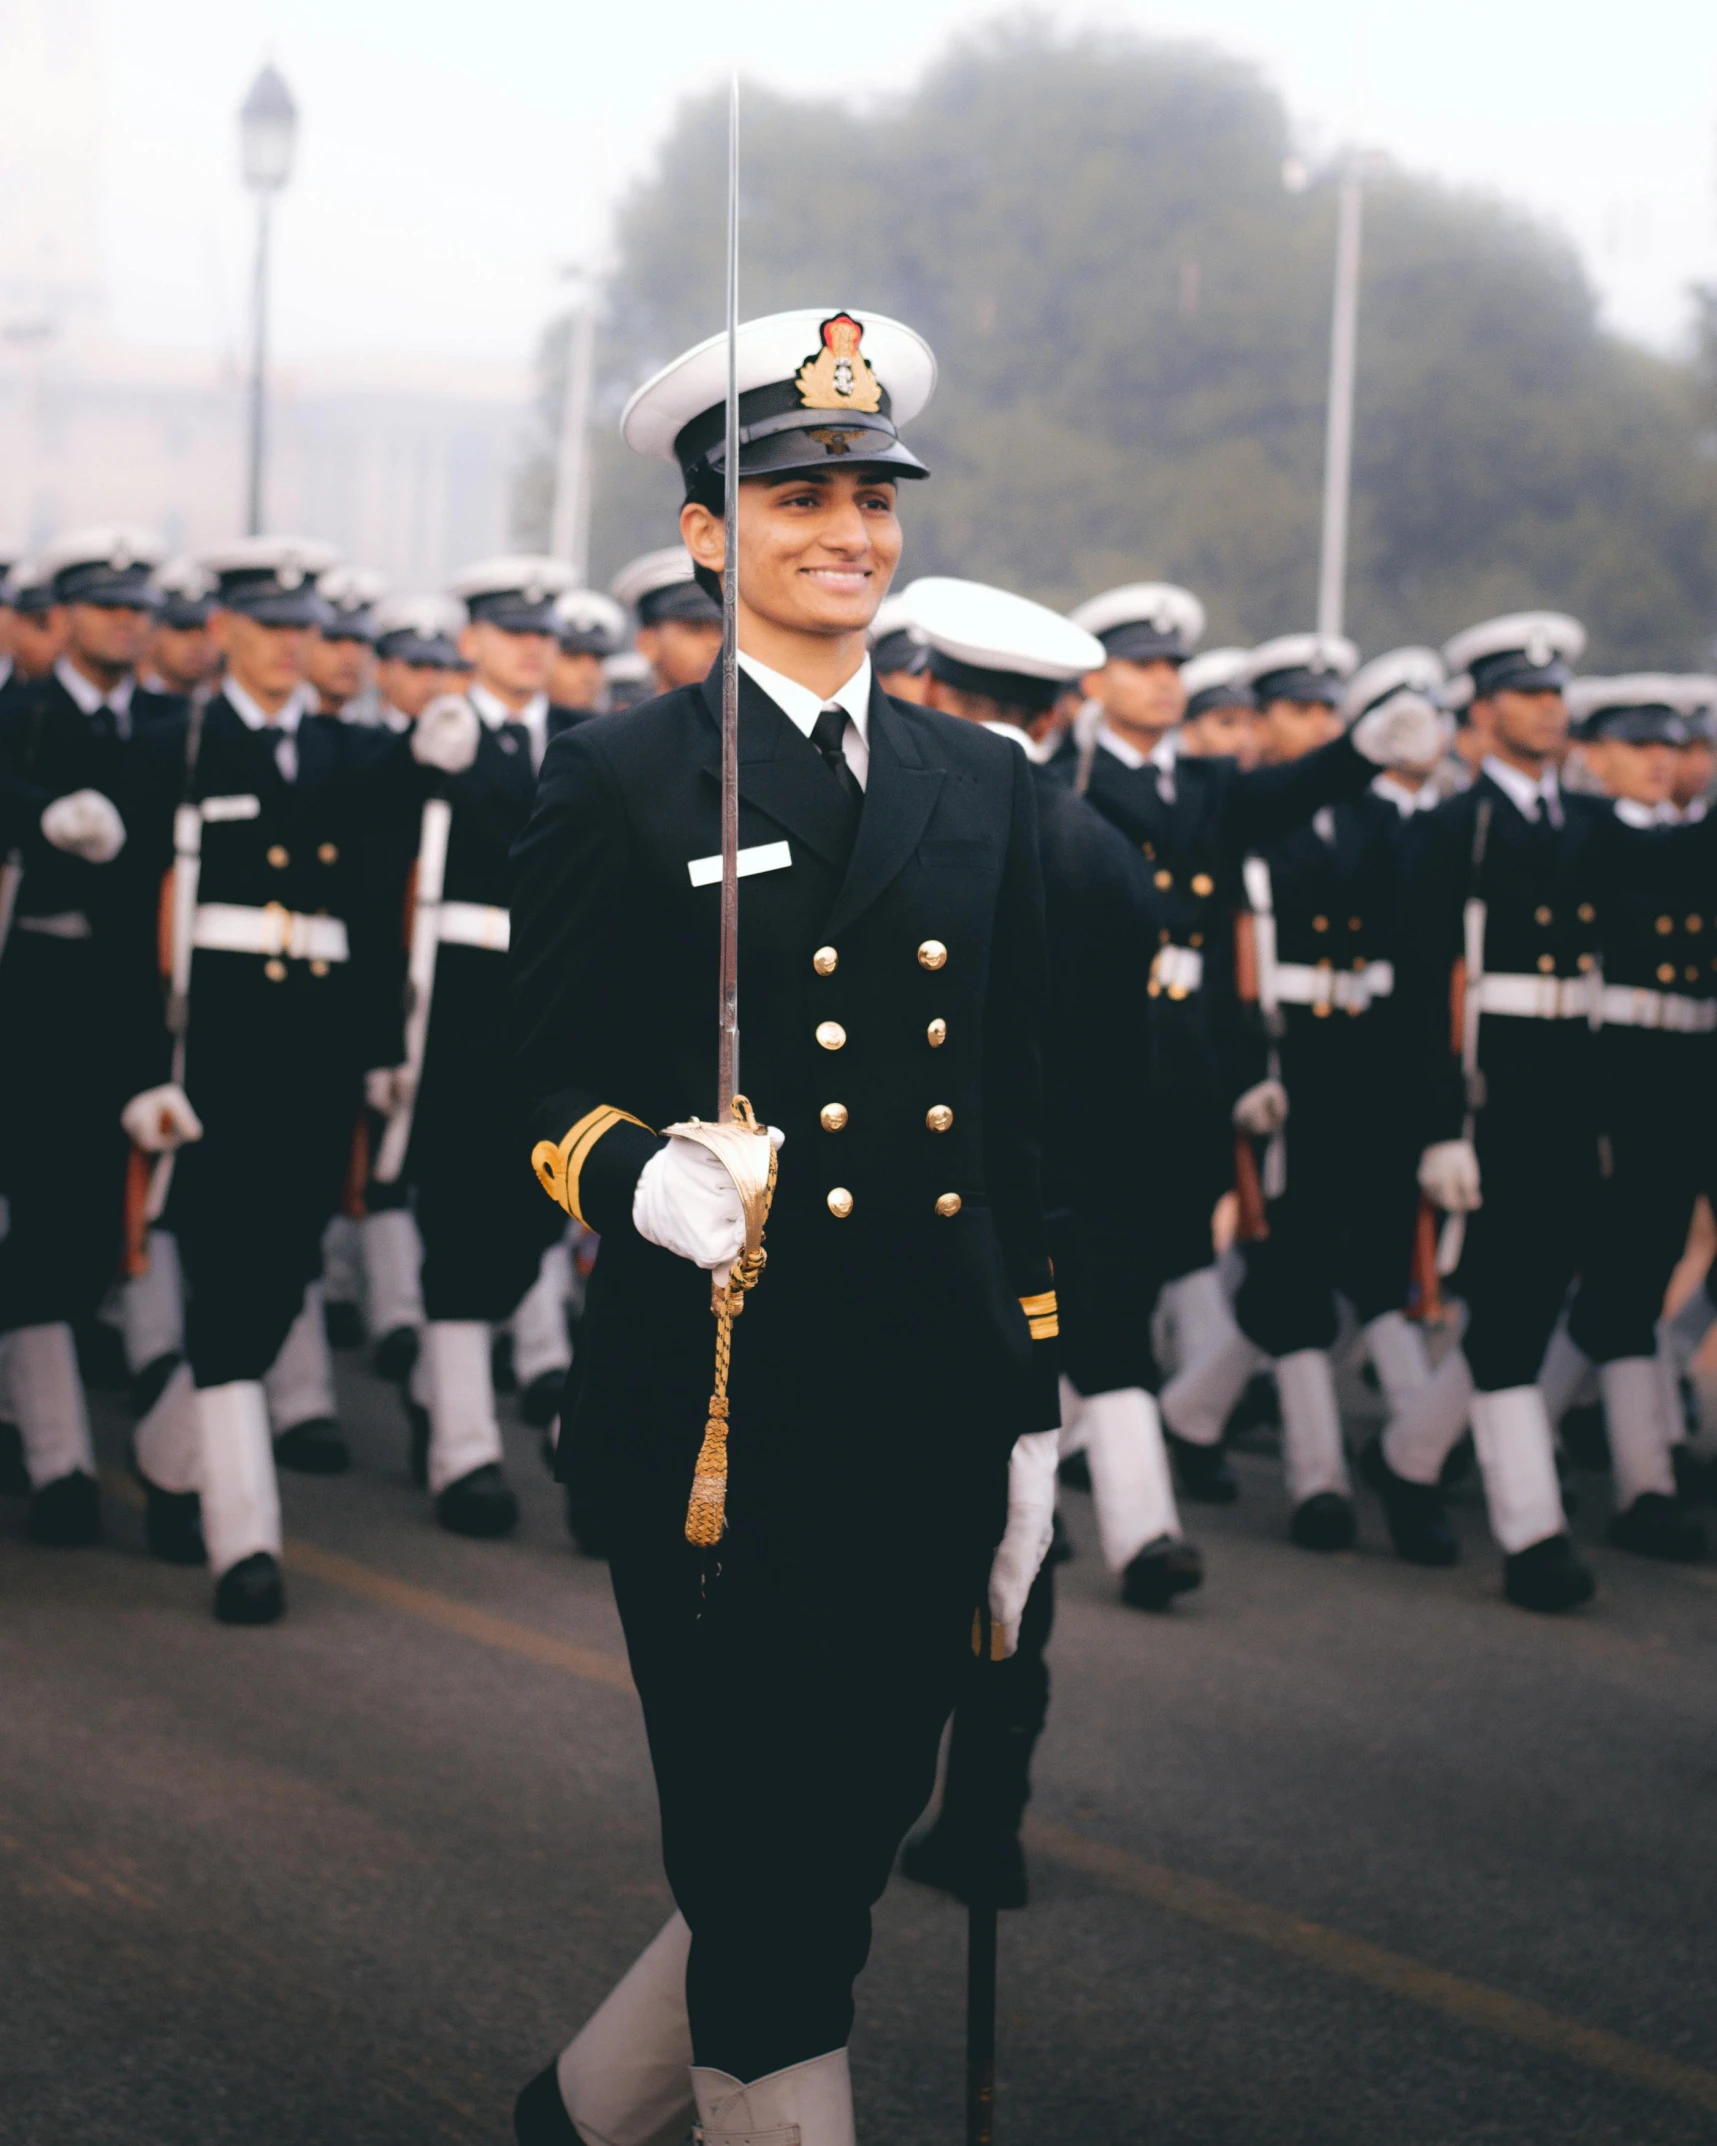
(1406, 802)
(802, 707)
(1646, 817)
(90, 697)
(1037, 750)
(534, 716)
(284, 724)
(1527, 797)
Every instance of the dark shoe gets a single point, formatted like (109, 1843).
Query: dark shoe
(148, 1385)
(481, 1503)
(344, 1325)
(539, 1403)
(314, 1447)
(1585, 1438)
(1202, 1472)
(417, 1458)
(1163, 1569)
(992, 1870)
(1324, 1522)
(1547, 1576)
(66, 1513)
(396, 1354)
(173, 1525)
(1656, 1526)
(14, 1476)
(1418, 1526)
(1060, 1550)
(502, 1376)
(1075, 1472)
(251, 1592)
(1695, 1475)
(539, 2114)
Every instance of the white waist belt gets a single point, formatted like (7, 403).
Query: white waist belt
(1298, 983)
(64, 924)
(1625, 1007)
(229, 928)
(1539, 998)
(474, 924)
(1177, 970)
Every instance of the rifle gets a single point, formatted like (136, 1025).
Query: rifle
(428, 877)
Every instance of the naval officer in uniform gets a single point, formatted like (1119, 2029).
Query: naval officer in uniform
(679, 622)
(589, 629)
(900, 1347)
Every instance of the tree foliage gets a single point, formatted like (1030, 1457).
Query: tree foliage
(1131, 318)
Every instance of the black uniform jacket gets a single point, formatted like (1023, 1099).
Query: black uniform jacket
(887, 1359)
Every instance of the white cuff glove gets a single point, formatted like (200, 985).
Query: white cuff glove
(446, 734)
(1263, 1109)
(85, 824)
(161, 1119)
(1405, 732)
(1026, 1538)
(389, 1088)
(686, 1202)
(1449, 1176)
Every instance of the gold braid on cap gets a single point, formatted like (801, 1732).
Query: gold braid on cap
(560, 1164)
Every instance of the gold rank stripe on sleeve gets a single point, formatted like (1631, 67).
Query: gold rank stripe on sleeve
(559, 1165)
(1042, 1315)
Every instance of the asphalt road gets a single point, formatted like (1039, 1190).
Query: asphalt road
(1338, 1851)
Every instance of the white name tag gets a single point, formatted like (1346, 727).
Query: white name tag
(231, 808)
(766, 857)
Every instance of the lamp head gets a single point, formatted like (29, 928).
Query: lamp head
(267, 132)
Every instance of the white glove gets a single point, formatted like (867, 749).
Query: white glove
(85, 824)
(1449, 1176)
(389, 1088)
(1405, 732)
(1026, 1538)
(686, 1202)
(446, 734)
(161, 1119)
(1263, 1109)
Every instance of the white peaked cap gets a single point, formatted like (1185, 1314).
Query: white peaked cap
(1216, 667)
(768, 351)
(1541, 636)
(650, 571)
(1328, 654)
(352, 588)
(1676, 690)
(291, 560)
(893, 615)
(993, 630)
(120, 545)
(187, 578)
(529, 574)
(1171, 610)
(430, 618)
(1401, 670)
(589, 611)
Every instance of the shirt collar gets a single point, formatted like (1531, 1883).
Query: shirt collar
(1038, 751)
(494, 710)
(1527, 797)
(255, 717)
(1643, 816)
(90, 697)
(802, 707)
(1406, 802)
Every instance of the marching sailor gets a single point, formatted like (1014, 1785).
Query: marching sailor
(417, 655)
(84, 839)
(898, 655)
(340, 667)
(182, 657)
(454, 1132)
(589, 628)
(1221, 720)
(891, 982)
(679, 622)
(38, 626)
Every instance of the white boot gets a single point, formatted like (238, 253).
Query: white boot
(241, 1499)
(1425, 1430)
(809, 2104)
(540, 1343)
(1397, 1350)
(1639, 1433)
(169, 1440)
(393, 1267)
(1561, 1375)
(47, 1393)
(1198, 1400)
(625, 2078)
(152, 1306)
(463, 1430)
(1517, 1455)
(300, 1381)
(1122, 1436)
(1312, 1454)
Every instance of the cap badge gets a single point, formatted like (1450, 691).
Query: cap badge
(839, 377)
(289, 573)
(1538, 650)
(835, 439)
(120, 558)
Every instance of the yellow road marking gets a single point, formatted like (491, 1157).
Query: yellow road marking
(1199, 1900)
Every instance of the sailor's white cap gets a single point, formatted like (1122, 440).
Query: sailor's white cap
(1145, 621)
(1402, 670)
(1523, 651)
(1641, 706)
(423, 630)
(988, 640)
(273, 578)
(515, 591)
(1300, 666)
(1216, 679)
(660, 584)
(110, 563)
(587, 620)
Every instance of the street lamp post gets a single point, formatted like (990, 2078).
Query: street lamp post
(569, 537)
(1338, 436)
(268, 128)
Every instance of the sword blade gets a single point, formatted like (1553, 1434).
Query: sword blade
(727, 1070)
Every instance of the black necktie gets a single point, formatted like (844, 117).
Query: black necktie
(826, 735)
(104, 723)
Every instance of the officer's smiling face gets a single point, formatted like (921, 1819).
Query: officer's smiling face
(816, 552)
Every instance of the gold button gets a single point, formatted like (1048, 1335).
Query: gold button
(1585, 963)
(1666, 972)
(936, 1034)
(1696, 923)
(831, 1035)
(1666, 925)
(1353, 923)
(1691, 973)
(278, 857)
(1149, 848)
(1359, 965)
(328, 853)
(1162, 938)
(1585, 912)
(1546, 964)
(840, 1203)
(825, 961)
(932, 955)
(1320, 923)
(1203, 884)
(318, 968)
(275, 971)
(938, 1117)
(1541, 914)
(948, 1203)
(832, 1117)
(1195, 938)
(1164, 879)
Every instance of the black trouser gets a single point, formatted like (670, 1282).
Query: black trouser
(1656, 1094)
(794, 1714)
(998, 1719)
(272, 1070)
(62, 1151)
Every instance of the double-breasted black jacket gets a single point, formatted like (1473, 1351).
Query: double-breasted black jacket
(890, 1005)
